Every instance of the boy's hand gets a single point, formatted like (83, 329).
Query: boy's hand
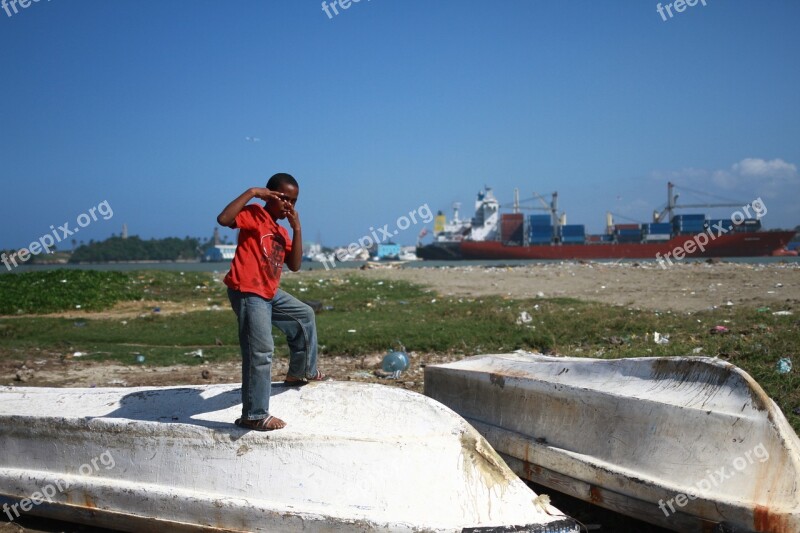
(262, 193)
(292, 216)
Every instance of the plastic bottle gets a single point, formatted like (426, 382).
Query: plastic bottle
(395, 362)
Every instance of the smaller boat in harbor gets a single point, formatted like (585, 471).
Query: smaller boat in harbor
(691, 444)
(354, 457)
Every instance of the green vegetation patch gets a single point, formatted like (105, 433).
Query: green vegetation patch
(54, 291)
(60, 290)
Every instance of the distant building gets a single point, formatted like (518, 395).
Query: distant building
(219, 253)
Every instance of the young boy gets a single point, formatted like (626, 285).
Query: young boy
(263, 247)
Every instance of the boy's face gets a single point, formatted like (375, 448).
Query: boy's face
(279, 210)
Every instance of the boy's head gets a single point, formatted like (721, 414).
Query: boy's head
(286, 185)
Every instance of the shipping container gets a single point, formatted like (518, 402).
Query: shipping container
(540, 234)
(656, 237)
(511, 225)
(657, 228)
(540, 220)
(715, 224)
(686, 224)
(748, 225)
(626, 226)
(688, 218)
(573, 230)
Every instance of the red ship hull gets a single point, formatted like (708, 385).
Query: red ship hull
(762, 243)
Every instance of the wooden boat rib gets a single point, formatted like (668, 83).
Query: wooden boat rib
(684, 443)
(353, 457)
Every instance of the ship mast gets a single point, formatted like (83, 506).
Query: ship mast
(554, 210)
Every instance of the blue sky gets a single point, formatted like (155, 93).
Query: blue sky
(388, 106)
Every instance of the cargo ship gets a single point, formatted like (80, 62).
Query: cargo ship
(669, 237)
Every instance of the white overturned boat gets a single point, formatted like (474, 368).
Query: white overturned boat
(353, 457)
(684, 443)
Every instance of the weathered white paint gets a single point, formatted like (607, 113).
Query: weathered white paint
(632, 434)
(353, 457)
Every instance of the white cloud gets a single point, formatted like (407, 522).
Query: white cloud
(770, 178)
(759, 168)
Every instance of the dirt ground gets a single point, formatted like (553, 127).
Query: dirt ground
(681, 287)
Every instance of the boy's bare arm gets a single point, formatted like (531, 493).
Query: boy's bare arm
(294, 259)
(228, 216)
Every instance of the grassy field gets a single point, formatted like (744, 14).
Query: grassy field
(367, 316)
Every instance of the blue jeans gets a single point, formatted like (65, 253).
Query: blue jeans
(256, 316)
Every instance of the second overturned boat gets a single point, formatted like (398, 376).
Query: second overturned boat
(690, 444)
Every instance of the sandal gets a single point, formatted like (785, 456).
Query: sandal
(292, 381)
(263, 424)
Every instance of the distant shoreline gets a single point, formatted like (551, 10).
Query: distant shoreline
(223, 266)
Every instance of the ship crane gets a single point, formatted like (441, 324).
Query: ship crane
(551, 206)
(672, 204)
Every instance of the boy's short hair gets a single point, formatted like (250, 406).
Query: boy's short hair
(281, 178)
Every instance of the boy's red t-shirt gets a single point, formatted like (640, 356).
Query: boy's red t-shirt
(260, 251)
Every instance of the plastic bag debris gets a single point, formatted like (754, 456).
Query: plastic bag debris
(658, 338)
(719, 330)
(524, 318)
(784, 365)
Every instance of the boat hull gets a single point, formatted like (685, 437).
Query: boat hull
(683, 443)
(353, 457)
(764, 243)
(439, 251)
